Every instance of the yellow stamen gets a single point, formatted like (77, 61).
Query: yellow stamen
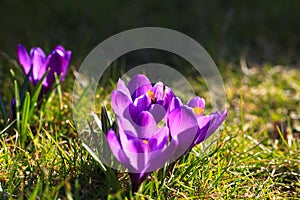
(151, 95)
(197, 110)
(145, 142)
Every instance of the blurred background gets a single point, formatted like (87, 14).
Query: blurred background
(259, 31)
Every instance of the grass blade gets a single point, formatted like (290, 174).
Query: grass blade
(25, 117)
(7, 127)
(35, 191)
(18, 105)
(91, 152)
(57, 81)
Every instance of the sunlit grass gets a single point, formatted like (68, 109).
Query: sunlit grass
(244, 163)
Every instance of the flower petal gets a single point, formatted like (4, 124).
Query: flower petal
(175, 103)
(185, 140)
(158, 112)
(196, 102)
(119, 102)
(136, 146)
(122, 87)
(158, 90)
(39, 64)
(24, 58)
(54, 62)
(116, 148)
(169, 94)
(142, 102)
(209, 124)
(66, 62)
(142, 152)
(145, 125)
(159, 139)
(58, 62)
(131, 113)
(137, 152)
(183, 127)
(162, 156)
(138, 86)
(181, 119)
(130, 150)
(60, 50)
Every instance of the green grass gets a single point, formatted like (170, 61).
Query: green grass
(244, 163)
(41, 155)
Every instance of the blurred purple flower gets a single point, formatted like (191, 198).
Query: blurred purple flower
(13, 108)
(36, 63)
(154, 127)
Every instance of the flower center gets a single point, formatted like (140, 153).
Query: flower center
(197, 110)
(151, 95)
(145, 142)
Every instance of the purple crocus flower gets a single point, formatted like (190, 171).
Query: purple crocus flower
(36, 63)
(154, 127)
(141, 145)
